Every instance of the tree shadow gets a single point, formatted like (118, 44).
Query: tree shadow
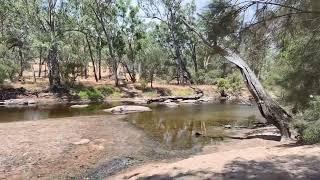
(277, 168)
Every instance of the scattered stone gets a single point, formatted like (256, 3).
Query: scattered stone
(79, 106)
(167, 101)
(197, 134)
(171, 104)
(189, 101)
(127, 109)
(82, 142)
(206, 99)
(227, 126)
(20, 102)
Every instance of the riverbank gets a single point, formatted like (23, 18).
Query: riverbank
(233, 160)
(69, 147)
(31, 94)
(98, 147)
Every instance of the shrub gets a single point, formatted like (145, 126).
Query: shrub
(107, 90)
(308, 124)
(91, 94)
(231, 84)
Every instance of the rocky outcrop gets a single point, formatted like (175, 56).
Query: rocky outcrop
(127, 109)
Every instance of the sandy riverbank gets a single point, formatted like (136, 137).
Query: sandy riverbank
(66, 148)
(240, 159)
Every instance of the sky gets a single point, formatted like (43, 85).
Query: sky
(201, 4)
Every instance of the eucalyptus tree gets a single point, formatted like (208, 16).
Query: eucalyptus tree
(133, 33)
(172, 31)
(105, 13)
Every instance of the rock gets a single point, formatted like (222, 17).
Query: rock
(167, 101)
(127, 109)
(79, 106)
(82, 142)
(189, 101)
(206, 99)
(197, 134)
(31, 101)
(171, 104)
(227, 126)
(20, 102)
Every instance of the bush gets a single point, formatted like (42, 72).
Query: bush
(231, 84)
(107, 90)
(91, 94)
(308, 124)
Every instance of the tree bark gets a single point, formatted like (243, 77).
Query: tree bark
(92, 59)
(268, 107)
(40, 62)
(21, 63)
(54, 72)
(198, 94)
(194, 59)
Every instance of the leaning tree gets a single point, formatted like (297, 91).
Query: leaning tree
(222, 22)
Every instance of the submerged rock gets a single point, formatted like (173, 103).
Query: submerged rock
(79, 106)
(127, 109)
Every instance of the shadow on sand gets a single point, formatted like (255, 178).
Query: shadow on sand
(278, 168)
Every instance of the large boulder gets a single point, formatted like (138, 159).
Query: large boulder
(127, 109)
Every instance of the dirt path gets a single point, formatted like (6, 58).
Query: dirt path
(247, 159)
(66, 148)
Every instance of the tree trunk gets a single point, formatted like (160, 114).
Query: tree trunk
(21, 63)
(194, 59)
(92, 59)
(40, 63)
(198, 94)
(180, 71)
(54, 72)
(99, 63)
(268, 108)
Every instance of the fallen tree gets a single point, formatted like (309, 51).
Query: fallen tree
(198, 94)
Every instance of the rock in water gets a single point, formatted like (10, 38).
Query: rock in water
(79, 106)
(190, 101)
(127, 109)
(171, 104)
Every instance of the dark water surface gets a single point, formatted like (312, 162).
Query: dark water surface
(176, 128)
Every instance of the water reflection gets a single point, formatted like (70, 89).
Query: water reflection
(177, 128)
(9, 114)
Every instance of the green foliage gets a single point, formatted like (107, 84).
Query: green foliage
(91, 94)
(107, 90)
(308, 124)
(231, 84)
(298, 69)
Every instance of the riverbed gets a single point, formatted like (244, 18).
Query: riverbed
(63, 142)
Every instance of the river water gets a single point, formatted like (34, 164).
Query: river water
(175, 128)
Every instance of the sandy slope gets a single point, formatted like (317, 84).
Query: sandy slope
(246, 159)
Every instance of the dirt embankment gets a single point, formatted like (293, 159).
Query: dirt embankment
(67, 148)
(246, 159)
